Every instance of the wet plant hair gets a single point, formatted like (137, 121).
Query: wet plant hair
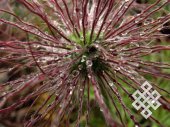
(85, 49)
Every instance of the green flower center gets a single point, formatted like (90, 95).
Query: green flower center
(86, 40)
(91, 54)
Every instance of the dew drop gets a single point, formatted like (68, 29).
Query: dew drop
(71, 92)
(101, 110)
(125, 6)
(124, 34)
(75, 73)
(117, 68)
(111, 84)
(89, 63)
(83, 58)
(89, 76)
(80, 67)
(61, 75)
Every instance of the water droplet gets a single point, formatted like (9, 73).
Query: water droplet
(111, 84)
(89, 76)
(61, 75)
(80, 67)
(83, 58)
(46, 32)
(124, 34)
(125, 6)
(71, 92)
(141, 34)
(137, 20)
(75, 73)
(117, 68)
(97, 46)
(101, 110)
(89, 63)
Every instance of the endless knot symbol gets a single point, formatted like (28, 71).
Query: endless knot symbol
(146, 99)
